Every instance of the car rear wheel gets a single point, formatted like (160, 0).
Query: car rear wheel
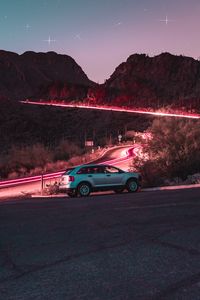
(84, 189)
(132, 185)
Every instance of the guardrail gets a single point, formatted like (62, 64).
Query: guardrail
(13, 182)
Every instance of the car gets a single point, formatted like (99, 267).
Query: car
(84, 179)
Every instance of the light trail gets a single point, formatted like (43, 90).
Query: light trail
(118, 109)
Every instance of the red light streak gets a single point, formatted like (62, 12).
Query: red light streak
(118, 109)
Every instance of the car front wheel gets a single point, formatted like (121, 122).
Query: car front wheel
(84, 189)
(132, 185)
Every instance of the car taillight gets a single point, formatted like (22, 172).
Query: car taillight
(71, 178)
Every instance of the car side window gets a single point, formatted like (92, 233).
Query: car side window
(83, 171)
(112, 170)
(100, 170)
(95, 170)
(90, 170)
(87, 170)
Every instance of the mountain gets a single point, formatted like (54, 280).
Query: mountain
(35, 75)
(154, 82)
(141, 81)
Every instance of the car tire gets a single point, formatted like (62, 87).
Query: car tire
(84, 189)
(132, 185)
(118, 190)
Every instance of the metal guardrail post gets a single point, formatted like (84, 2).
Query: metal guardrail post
(42, 183)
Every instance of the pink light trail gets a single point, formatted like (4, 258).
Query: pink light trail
(118, 109)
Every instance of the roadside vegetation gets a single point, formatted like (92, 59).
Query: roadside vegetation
(37, 139)
(21, 161)
(171, 156)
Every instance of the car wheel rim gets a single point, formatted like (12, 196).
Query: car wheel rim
(133, 186)
(84, 190)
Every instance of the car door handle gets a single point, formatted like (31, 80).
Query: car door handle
(89, 175)
(108, 175)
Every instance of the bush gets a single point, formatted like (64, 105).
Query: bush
(51, 189)
(65, 150)
(172, 152)
(33, 160)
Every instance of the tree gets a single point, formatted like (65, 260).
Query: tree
(173, 150)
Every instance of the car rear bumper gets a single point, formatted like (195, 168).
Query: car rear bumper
(66, 189)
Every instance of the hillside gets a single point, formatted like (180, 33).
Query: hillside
(153, 82)
(141, 81)
(26, 125)
(47, 75)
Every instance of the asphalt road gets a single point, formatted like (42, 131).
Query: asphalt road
(127, 246)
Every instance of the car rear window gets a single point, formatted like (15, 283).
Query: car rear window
(84, 170)
(68, 171)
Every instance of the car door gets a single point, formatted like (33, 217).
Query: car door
(114, 176)
(98, 176)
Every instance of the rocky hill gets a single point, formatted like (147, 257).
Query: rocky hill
(35, 75)
(152, 82)
(141, 81)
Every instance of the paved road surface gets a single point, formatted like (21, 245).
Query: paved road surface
(128, 246)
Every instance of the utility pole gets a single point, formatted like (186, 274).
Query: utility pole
(110, 139)
(125, 130)
(85, 138)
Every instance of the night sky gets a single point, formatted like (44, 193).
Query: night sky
(100, 34)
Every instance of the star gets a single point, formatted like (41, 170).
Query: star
(166, 20)
(28, 27)
(78, 37)
(49, 40)
(118, 24)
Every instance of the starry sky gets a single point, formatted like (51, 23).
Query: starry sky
(100, 34)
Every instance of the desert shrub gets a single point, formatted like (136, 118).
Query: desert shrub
(21, 160)
(13, 175)
(172, 152)
(28, 157)
(51, 189)
(36, 171)
(65, 150)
